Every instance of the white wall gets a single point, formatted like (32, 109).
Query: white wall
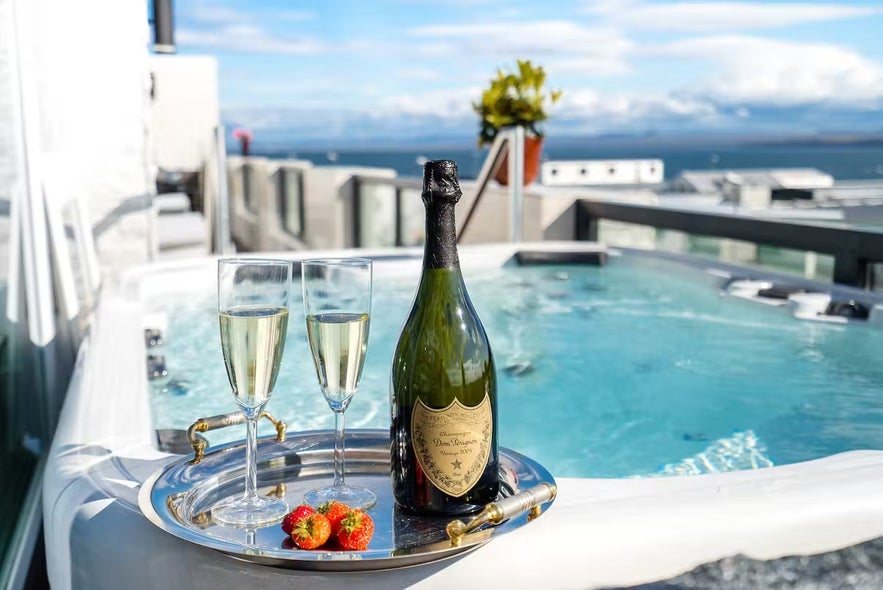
(9, 156)
(84, 82)
(185, 110)
(601, 172)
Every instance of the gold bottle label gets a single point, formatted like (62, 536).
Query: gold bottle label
(452, 444)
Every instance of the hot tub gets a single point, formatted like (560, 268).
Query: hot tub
(605, 528)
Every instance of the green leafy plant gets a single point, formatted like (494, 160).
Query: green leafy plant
(514, 98)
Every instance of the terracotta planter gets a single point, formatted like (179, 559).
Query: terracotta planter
(533, 147)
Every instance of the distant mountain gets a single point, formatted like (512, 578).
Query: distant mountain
(326, 128)
(317, 128)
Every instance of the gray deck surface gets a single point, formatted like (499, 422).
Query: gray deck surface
(859, 567)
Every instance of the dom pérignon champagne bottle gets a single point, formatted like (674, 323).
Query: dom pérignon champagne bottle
(443, 386)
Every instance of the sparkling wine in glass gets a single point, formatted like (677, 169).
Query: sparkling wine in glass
(337, 304)
(253, 299)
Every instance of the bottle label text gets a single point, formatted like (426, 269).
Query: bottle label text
(452, 444)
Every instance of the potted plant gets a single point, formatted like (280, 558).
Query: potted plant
(516, 98)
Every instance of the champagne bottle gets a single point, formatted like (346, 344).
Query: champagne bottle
(443, 386)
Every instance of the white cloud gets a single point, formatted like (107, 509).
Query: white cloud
(292, 15)
(713, 81)
(590, 104)
(452, 103)
(246, 38)
(211, 12)
(418, 74)
(591, 50)
(754, 70)
(236, 30)
(206, 12)
(721, 16)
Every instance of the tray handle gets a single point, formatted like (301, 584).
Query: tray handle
(529, 500)
(199, 443)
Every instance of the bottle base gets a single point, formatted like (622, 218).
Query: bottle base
(429, 512)
(236, 512)
(352, 496)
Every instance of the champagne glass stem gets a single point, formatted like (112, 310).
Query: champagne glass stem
(338, 449)
(251, 465)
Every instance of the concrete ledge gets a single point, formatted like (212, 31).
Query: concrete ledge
(166, 203)
(181, 230)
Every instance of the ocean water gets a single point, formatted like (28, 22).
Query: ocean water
(640, 367)
(842, 160)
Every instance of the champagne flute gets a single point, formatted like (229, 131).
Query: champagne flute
(253, 299)
(337, 304)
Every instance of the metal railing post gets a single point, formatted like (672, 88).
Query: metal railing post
(222, 202)
(357, 212)
(586, 224)
(492, 163)
(301, 206)
(399, 222)
(852, 270)
(282, 196)
(516, 183)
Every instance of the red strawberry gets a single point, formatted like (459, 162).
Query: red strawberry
(311, 531)
(334, 512)
(356, 530)
(295, 515)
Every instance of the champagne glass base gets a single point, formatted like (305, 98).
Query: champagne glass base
(234, 511)
(352, 496)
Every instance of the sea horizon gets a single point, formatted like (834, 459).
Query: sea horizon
(845, 156)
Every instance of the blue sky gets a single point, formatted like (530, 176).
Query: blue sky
(407, 68)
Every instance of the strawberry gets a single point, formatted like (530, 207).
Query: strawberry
(311, 531)
(334, 512)
(356, 530)
(295, 515)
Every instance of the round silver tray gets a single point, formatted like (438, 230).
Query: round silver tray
(178, 499)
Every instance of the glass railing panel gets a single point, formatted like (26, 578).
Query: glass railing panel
(810, 265)
(781, 244)
(877, 277)
(413, 226)
(806, 264)
(377, 215)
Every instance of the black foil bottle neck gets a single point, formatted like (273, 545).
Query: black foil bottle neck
(441, 236)
(441, 191)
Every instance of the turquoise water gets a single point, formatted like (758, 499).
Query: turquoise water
(639, 367)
